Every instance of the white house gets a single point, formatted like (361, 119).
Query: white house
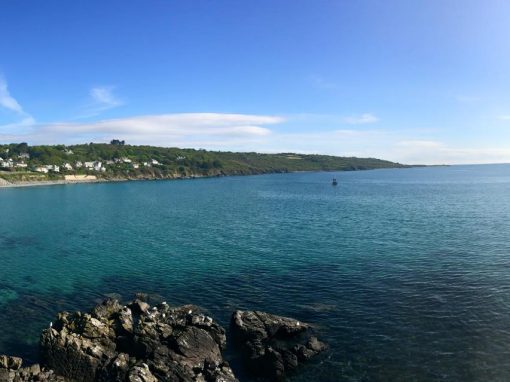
(155, 162)
(68, 166)
(136, 165)
(41, 169)
(88, 165)
(52, 167)
(78, 164)
(24, 156)
(21, 165)
(97, 166)
(7, 163)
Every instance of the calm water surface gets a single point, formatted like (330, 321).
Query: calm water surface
(406, 273)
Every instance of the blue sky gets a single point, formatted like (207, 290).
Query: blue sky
(423, 81)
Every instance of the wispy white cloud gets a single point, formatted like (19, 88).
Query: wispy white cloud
(420, 143)
(320, 82)
(469, 99)
(247, 132)
(361, 119)
(7, 101)
(187, 129)
(104, 97)
(262, 133)
(436, 152)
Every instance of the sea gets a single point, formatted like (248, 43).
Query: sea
(405, 273)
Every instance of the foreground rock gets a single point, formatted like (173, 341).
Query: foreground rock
(136, 343)
(140, 343)
(273, 345)
(11, 371)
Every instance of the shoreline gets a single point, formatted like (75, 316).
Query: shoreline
(5, 184)
(113, 180)
(48, 183)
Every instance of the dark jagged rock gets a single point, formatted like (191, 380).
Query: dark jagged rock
(136, 343)
(11, 371)
(273, 345)
(139, 343)
(7, 362)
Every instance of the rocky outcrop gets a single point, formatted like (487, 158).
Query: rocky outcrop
(273, 345)
(11, 371)
(136, 343)
(139, 343)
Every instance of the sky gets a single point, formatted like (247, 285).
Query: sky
(418, 82)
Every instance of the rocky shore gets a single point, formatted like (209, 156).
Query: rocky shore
(139, 343)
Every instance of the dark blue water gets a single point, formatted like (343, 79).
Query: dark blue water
(406, 273)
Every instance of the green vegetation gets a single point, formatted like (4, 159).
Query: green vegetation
(118, 160)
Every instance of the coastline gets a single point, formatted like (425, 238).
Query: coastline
(5, 184)
(49, 183)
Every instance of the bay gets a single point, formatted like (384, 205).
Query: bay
(405, 272)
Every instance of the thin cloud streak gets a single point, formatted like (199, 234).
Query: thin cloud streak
(361, 119)
(160, 130)
(104, 97)
(7, 101)
(261, 133)
(468, 99)
(320, 82)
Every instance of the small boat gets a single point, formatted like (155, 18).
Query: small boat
(334, 182)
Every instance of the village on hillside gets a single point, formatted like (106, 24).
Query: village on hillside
(20, 162)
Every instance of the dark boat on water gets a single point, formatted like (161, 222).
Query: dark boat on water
(334, 182)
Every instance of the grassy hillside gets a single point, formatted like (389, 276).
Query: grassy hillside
(127, 161)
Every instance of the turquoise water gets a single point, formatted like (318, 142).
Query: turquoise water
(405, 272)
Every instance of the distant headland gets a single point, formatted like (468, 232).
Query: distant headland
(21, 164)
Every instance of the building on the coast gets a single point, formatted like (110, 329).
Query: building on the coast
(21, 165)
(53, 167)
(135, 165)
(126, 160)
(24, 156)
(97, 166)
(155, 162)
(88, 165)
(68, 166)
(42, 169)
(8, 163)
(78, 164)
